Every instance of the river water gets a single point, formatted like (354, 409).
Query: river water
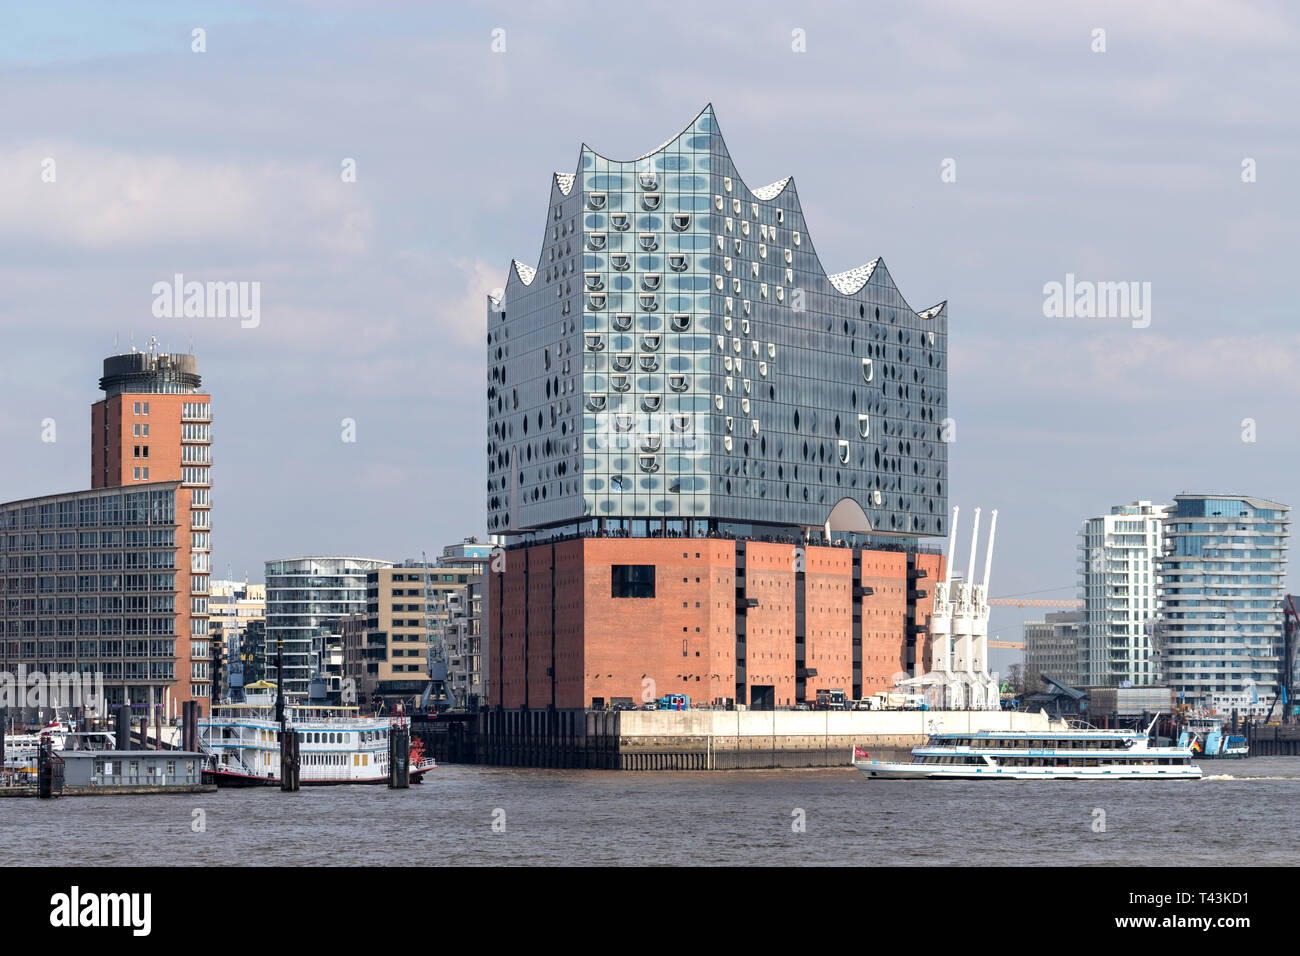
(1243, 813)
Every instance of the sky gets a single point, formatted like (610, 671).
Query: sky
(984, 150)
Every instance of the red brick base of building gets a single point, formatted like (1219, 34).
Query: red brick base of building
(589, 622)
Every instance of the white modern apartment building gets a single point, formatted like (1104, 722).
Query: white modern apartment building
(1119, 584)
(1223, 571)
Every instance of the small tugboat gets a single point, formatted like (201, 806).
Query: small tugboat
(1205, 736)
(1076, 753)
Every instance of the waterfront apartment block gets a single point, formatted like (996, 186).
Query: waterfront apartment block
(710, 462)
(305, 600)
(130, 599)
(1222, 569)
(1118, 582)
(237, 623)
(1052, 649)
(407, 606)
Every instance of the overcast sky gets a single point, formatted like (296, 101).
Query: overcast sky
(1119, 166)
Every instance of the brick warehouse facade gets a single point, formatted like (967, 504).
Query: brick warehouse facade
(722, 621)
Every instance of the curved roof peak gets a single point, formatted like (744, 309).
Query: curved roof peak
(772, 190)
(708, 109)
(853, 280)
(565, 181)
(526, 273)
(935, 310)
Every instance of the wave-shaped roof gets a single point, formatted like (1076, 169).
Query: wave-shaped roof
(849, 282)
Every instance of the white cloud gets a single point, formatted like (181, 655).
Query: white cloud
(106, 198)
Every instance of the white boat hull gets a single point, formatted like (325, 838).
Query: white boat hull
(885, 770)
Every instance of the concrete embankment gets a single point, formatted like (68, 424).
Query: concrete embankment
(706, 740)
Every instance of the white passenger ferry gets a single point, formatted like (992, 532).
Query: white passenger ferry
(1071, 754)
(20, 750)
(337, 747)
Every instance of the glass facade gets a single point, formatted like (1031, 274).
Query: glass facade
(305, 599)
(88, 586)
(1222, 579)
(679, 359)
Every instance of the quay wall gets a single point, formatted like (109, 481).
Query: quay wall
(701, 739)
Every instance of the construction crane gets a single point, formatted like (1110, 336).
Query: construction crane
(1009, 645)
(439, 694)
(1024, 602)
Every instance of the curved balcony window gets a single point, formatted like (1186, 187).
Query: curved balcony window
(726, 263)
(595, 200)
(651, 201)
(789, 257)
(744, 405)
(595, 281)
(735, 206)
(726, 183)
(678, 262)
(596, 402)
(596, 241)
(717, 203)
(650, 343)
(651, 281)
(744, 228)
(649, 301)
(622, 363)
(649, 463)
(681, 221)
(868, 372)
(789, 275)
(780, 293)
(726, 324)
(796, 238)
(771, 350)
(745, 303)
(753, 209)
(622, 321)
(735, 345)
(728, 363)
(680, 423)
(735, 285)
(780, 215)
(762, 369)
(753, 427)
(738, 246)
(648, 180)
(649, 363)
(717, 282)
(726, 442)
(875, 497)
(620, 383)
(722, 344)
(864, 426)
(595, 343)
(616, 482)
(762, 250)
(744, 385)
(619, 261)
(717, 402)
(844, 451)
(651, 403)
(649, 241)
(744, 326)
(596, 302)
(677, 383)
(622, 423)
(620, 221)
(731, 424)
(651, 442)
(681, 322)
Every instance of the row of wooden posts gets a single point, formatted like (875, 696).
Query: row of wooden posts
(399, 759)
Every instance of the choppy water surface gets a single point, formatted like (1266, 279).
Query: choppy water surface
(1245, 812)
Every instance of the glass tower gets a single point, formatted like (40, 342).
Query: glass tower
(1222, 581)
(680, 362)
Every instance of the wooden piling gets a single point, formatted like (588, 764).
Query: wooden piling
(290, 760)
(399, 758)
